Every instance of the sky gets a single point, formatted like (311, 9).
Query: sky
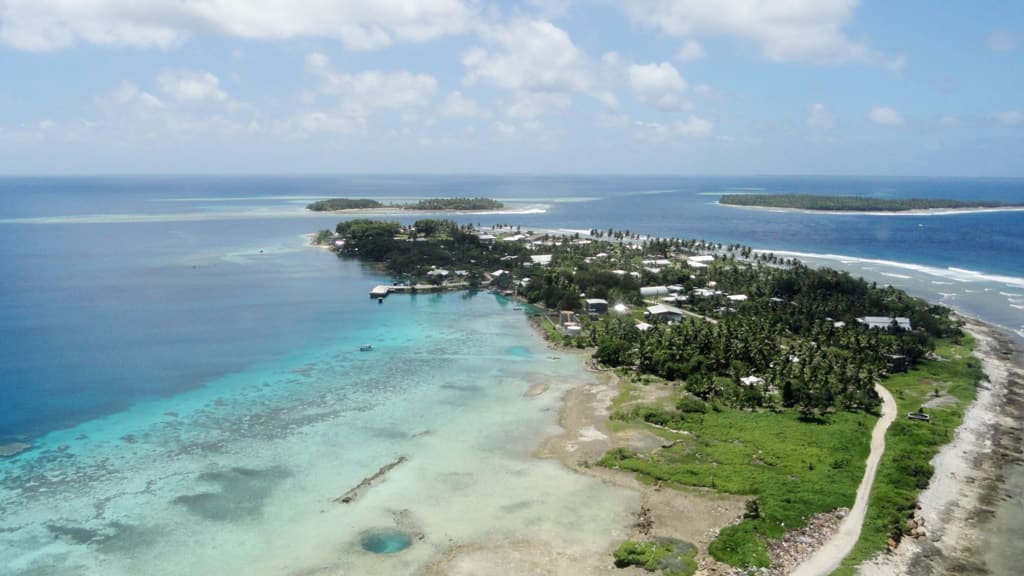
(914, 87)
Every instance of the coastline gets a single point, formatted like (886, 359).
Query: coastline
(922, 212)
(584, 436)
(970, 472)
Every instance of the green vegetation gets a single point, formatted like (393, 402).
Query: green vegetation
(851, 203)
(910, 445)
(460, 204)
(669, 556)
(794, 467)
(343, 204)
(432, 204)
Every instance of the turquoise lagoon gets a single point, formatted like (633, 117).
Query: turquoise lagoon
(238, 475)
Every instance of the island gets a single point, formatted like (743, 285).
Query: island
(822, 203)
(734, 372)
(427, 205)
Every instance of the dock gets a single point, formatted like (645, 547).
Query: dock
(384, 289)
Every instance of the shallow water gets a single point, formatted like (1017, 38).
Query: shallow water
(241, 472)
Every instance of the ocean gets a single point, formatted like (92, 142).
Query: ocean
(188, 371)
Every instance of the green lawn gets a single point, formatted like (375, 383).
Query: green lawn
(795, 468)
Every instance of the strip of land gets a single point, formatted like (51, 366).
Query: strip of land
(831, 555)
(811, 203)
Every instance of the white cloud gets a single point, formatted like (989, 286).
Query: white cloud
(1008, 118)
(949, 121)
(130, 94)
(820, 119)
(657, 84)
(366, 91)
(885, 116)
(791, 30)
(40, 25)
(1001, 41)
(690, 50)
(191, 86)
(457, 105)
(532, 55)
(531, 105)
(693, 126)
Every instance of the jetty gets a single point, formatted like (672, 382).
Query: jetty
(384, 289)
(358, 489)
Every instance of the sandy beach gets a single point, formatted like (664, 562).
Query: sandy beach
(969, 480)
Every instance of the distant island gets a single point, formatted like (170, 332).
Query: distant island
(855, 203)
(430, 204)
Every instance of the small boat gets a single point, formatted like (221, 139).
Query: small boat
(366, 348)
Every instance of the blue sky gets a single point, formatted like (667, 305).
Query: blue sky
(561, 86)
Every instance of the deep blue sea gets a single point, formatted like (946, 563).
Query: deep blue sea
(124, 299)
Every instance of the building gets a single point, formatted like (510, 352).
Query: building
(885, 322)
(752, 381)
(650, 291)
(665, 313)
(541, 259)
(898, 363)
(566, 317)
(738, 297)
(596, 305)
(573, 329)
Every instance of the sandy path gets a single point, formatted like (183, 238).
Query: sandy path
(831, 555)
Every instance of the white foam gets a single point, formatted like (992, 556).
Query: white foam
(901, 276)
(951, 273)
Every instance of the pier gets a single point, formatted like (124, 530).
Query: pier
(384, 289)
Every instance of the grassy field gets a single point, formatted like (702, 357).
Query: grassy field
(910, 445)
(796, 468)
(792, 467)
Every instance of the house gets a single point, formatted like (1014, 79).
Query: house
(573, 329)
(648, 291)
(898, 363)
(665, 313)
(440, 272)
(738, 297)
(885, 322)
(620, 308)
(541, 259)
(701, 261)
(643, 326)
(487, 238)
(517, 238)
(752, 381)
(566, 317)
(596, 305)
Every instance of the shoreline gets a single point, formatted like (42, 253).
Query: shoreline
(968, 484)
(919, 212)
(692, 515)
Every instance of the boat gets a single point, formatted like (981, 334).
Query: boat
(366, 348)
